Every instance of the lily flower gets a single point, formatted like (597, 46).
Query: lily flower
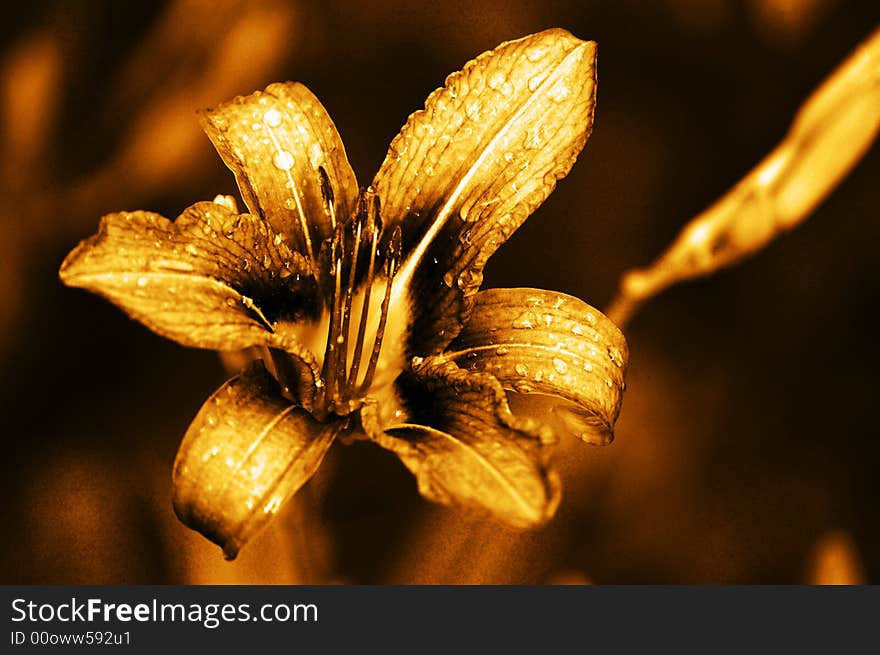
(364, 304)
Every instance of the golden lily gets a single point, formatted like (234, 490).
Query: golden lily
(364, 305)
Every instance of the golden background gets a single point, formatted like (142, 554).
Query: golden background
(746, 450)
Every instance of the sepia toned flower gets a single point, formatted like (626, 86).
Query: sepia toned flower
(360, 307)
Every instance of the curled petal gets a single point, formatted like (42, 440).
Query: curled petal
(552, 344)
(211, 279)
(486, 151)
(466, 448)
(275, 141)
(247, 451)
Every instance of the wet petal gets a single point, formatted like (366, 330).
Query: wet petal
(465, 447)
(211, 279)
(247, 451)
(552, 344)
(275, 141)
(486, 151)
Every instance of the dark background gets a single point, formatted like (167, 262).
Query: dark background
(748, 430)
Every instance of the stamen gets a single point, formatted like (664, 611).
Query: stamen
(340, 392)
(392, 261)
(373, 223)
(327, 195)
(334, 334)
(349, 291)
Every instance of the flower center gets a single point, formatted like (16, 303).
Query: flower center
(355, 332)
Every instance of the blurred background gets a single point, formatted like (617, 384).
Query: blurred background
(744, 451)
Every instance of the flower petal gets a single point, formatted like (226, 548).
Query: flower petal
(466, 448)
(486, 151)
(543, 342)
(275, 141)
(211, 279)
(247, 451)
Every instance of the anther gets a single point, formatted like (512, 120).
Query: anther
(327, 195)
(392, 262)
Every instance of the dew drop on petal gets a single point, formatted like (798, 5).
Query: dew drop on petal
(560, 366)
(272, 117)
(521, 369)
(525, 320)
(497, 79)
(535, 53)
(283, 160)
(559, 92)
(502, 350)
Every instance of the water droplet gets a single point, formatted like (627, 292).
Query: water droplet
(588, 367)
(559, 92)
(272, 117)
(535, 53)
(273, 505)
(502, 350)
(560, 366)
(316, 155)
(277, 240)
(521, 369)
(525, 320)
(497, 79)
(142, 281)
(283, 160)
(231, 302)
(577, 329)
(615, 356)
